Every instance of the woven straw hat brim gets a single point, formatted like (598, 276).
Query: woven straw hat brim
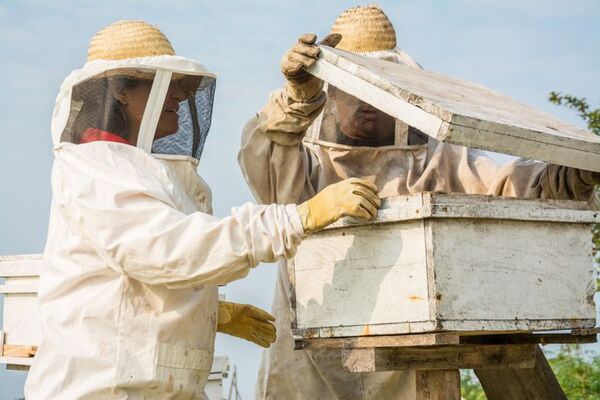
(129, 39)
(365, 29)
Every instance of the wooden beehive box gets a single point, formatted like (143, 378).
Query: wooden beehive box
(21, 327)
(448, 262)
(451, 262)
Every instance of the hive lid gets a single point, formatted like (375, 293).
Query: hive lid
(459, 112)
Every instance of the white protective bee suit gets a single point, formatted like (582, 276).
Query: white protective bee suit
(290, 151)
(128, 296)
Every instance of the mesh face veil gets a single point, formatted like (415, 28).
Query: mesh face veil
(162, 104)
(349, 121)
(194, 114)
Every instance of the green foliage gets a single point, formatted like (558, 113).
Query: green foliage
(470, 388)
(577, 372)
(591, 117)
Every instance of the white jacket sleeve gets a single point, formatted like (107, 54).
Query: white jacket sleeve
(275, 163)
(130, 219)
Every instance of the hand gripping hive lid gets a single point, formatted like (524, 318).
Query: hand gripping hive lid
(365, 29)
(134, 86)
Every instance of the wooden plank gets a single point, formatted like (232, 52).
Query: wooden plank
(477, 326)
(17, 289)
(336, 267)
(438, 385)
(21, 319)
(17, 360)
(21, 265)
(546, 281)
(14, 350)
(535, 383)
(18, 367)
(470, 114)
(365, 342)
(586, 331)
(445, 338)
(526, 148)
(457, 205)
(439, 357)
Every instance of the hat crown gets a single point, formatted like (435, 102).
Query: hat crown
(129, 39)
(365, 29)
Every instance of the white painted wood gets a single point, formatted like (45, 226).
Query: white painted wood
(218, 372)
(509, 270)
(389, 262)
(28, 361)
(456, 205)
(21, 265)
(457, 111)
(14, 289)
(440, 262)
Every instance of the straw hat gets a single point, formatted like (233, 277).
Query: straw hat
(129, 39)
(365, 29)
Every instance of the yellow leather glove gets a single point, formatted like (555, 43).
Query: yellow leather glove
(247, 322)
(352, 197)
(301, 85)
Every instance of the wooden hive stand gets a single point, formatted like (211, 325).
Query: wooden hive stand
(510, 366)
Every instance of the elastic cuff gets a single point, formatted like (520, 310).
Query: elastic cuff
(308, 93)
(285, 139)
(296, 221)
(589, 177)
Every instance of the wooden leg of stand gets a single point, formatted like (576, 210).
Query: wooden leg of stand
(438, 384)
(537, 383)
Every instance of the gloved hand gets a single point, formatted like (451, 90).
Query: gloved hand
(300, 84)
(351, 197)
(247, 322)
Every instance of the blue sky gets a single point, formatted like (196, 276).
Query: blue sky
(523, 49)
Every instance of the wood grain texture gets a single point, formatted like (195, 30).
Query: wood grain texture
(457, 111)
(439, 357)
(438, 385)
(445, 338)
(11, 350)
(535, 383)
(458, 205)
(21, 265)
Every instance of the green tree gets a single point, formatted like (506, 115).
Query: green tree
(591, 117)
(577, 372)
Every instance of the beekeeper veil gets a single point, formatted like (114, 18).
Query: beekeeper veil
(135, 90)
(347, 120)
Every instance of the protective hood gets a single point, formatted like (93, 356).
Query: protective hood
(161, 104)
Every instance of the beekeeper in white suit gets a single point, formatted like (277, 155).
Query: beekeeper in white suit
(306, 138)
(128, 295)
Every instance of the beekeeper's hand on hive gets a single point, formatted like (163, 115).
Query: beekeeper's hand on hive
(300, 84)
(246, 322)
(352, 197)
